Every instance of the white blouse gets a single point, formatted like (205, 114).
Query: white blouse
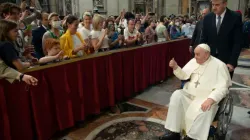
(77, 42)
(98, 35)
(84, 32)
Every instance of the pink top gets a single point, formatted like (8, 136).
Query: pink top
(150, 35)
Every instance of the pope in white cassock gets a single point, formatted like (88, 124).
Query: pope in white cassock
(194, 107)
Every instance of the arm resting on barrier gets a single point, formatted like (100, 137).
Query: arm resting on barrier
(8, 73)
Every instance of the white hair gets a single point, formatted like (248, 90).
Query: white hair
(205, 47)
(86, 14)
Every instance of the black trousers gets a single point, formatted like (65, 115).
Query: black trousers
(232, 74)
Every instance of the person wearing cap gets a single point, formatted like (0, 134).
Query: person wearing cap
(194, 107)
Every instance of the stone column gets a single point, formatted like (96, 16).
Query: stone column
(53, 6)
(158, 12)
(243, 7)
(185, 6)
(124, 4)
(112, 7)
(171, 7)
(233, 4)
(75, 8)
(85, 5)
(190, 7)
(132, 5)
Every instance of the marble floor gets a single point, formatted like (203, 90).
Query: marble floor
(143, 117)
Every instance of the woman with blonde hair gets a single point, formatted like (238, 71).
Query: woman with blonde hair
(71, 42)
(100, 40)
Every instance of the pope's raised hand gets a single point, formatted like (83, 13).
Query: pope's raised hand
(173, 64)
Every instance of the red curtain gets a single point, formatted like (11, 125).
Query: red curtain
(68, 93)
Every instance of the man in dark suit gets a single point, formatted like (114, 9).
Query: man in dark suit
(222, 31)
(196, 38)
(38, 35)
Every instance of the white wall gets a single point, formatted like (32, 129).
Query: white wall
(112, 7)
(85, 5)
(53, 7)
(123, 4)
(171, 7)
(233, 4)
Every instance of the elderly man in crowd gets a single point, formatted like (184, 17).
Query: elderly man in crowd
(194, 107)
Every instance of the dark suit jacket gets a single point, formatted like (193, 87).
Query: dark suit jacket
(229, 41)
(37, 41)
(196, 38)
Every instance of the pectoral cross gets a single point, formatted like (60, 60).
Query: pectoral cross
(196, 84)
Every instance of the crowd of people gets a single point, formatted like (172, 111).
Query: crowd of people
(30, 37)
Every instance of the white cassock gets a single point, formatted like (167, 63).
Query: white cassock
(185, 111)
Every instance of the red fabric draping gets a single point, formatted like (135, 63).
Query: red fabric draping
(68, 93)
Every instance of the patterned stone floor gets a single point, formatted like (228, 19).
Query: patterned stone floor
(240, 124)
(143, 117)
(132, 130)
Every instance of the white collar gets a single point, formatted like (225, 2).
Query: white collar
(206, 62)
(222, 15)
(44, 27)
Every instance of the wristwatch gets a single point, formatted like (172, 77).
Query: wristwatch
(21, 77)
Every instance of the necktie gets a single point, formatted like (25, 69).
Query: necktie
(218, 24)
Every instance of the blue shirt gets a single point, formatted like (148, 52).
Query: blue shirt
(113, 38)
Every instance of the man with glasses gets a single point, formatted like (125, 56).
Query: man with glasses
(222, 31)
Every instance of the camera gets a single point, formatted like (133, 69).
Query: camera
(31, 9)
(151, 14)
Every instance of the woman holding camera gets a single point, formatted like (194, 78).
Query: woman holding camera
(99, 35)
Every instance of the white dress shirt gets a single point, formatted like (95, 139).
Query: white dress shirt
(77, 42)
(45, 27)
(222, 17)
